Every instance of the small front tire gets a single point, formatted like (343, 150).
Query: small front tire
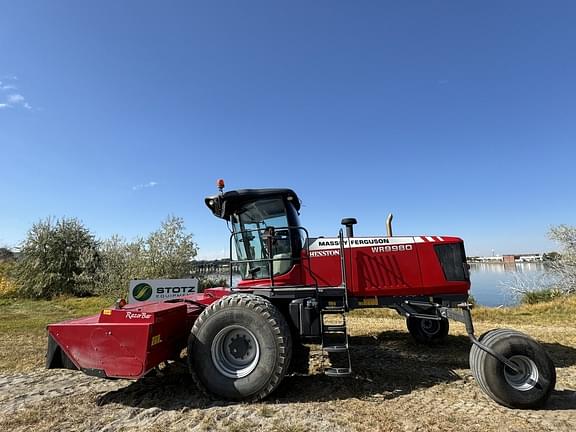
(428, 331)
(531, 386)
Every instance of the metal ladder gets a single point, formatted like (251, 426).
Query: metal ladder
(335, 336)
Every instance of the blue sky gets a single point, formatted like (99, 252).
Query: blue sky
(457, 116)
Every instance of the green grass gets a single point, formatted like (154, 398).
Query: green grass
(23, 327)
(23, 316)
(540, 296)
(560, 310)
(26, 316)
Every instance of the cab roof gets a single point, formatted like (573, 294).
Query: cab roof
(227, 203)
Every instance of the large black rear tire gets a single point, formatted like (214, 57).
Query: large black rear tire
(428, 331)
(530, 388)
(240, 348)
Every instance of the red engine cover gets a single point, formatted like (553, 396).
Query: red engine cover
(383, 266)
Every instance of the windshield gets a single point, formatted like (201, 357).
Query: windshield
(259, 226)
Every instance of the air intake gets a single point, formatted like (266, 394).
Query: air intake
(453, 261)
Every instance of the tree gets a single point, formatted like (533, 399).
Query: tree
(170, 249)
(564, 267)
(551, 256)
(58, 257)
(7, 264)
(6, 254)
(166, 253)
(559, 280)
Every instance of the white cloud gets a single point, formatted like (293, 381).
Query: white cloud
(145, 185)
(15, 99)
(5, 83)
(8, 96)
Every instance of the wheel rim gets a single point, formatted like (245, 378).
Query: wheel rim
(430, 327)
(235, 351)
(527, 376)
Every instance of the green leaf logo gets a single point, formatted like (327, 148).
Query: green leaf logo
(142, 292)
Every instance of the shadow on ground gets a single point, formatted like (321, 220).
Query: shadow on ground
(385, 366)
(562, 400)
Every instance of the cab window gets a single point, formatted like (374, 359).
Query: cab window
(252, 224)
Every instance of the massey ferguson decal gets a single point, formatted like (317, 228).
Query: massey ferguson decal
(358, 242)
(326, 247)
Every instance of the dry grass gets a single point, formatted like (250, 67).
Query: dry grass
(397, 384)
(557, 312)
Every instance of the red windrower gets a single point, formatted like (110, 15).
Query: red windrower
(238, 339)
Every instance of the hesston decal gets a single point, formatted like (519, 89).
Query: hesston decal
(324, 253)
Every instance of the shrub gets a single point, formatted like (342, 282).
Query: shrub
(58, 257)
(165, 254)
(539, 296)
(564, 265)
(8, 287)
(211, 282)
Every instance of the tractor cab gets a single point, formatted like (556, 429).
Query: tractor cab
(266, 238)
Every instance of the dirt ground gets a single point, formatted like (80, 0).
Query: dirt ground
(397, 386)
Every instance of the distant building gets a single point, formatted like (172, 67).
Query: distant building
(529, 258)
(507, 259)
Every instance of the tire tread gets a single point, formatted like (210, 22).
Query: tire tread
(275, 319)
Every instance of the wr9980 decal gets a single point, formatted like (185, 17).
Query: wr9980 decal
(391, 248)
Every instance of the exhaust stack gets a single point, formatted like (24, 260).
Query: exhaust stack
(389, 224)
(349, 224)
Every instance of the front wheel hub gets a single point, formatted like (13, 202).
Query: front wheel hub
(430, 327)
(235, 351)
(527, 376)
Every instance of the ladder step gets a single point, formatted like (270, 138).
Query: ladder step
(337, 372)
(335, 348)
(333, 310)
(334, 329)
(421, 304)
(430, 317)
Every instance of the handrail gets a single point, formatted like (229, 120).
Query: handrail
(270, 260)
(343, 267)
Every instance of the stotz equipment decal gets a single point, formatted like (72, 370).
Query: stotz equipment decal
(160, 289)
(142, 292)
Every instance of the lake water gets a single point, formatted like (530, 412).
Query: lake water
(489, 280)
